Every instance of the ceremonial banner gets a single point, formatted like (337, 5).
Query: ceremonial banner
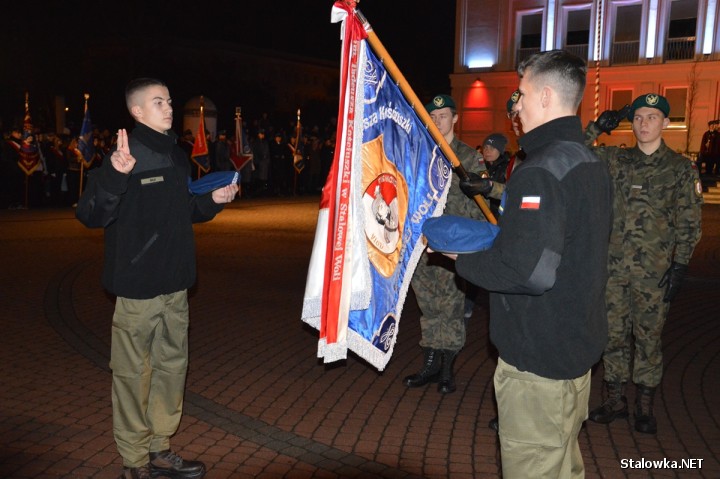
(85, 142)
(240, 153)
(298, 152)
(29, 155)
(298, 159)
(388, 176)
(200, 153)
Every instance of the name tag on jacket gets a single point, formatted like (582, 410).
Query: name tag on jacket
(150, 181)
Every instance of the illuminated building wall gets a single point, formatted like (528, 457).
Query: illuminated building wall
(662, 46)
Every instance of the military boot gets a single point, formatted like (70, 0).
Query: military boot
(644, 420)
(615, 404)
(168, 464)
(142, 472)
(447, 377)
(430, 371)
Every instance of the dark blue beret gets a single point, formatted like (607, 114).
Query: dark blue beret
(212, 181)
(457, 234)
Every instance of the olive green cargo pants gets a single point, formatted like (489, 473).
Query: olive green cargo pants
(148, 358)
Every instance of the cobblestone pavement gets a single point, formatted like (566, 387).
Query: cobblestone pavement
(260, 404)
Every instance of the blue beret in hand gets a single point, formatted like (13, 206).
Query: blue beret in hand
(212, 181)
(458, 235)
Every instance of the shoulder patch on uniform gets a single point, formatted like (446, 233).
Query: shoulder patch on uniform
(698, 188)
(530, 203)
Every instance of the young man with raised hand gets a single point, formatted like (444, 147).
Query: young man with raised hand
(140, 197)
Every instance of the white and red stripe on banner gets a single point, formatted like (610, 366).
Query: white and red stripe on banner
(339, 251)
(388, 176)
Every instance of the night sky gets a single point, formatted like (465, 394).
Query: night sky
(42, 42)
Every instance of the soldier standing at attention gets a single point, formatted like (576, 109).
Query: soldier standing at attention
(439, 291)
(656, 225)
(710, 148)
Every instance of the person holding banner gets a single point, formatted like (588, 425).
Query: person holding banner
(73, 159)
(11, 175)
(546, 273)
(261, 158)
(477, 185)
(140, 196)
(221, 158)
(438, 290)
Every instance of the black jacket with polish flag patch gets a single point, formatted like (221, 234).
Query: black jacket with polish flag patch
(547, 268)
(147, 216)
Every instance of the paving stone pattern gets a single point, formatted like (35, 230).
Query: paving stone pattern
(259, 404)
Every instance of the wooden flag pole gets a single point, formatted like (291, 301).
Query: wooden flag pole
(82, 159)
(419, 108)
(598, 55)
(80, 183)
(295, 151)
(238, 139)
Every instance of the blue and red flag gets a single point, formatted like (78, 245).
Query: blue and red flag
(85, 141)
(388, 176)
(240, 153)
(200, 153)
(29, 154)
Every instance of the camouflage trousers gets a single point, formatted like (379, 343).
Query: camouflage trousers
(441, 298)
(636, 316)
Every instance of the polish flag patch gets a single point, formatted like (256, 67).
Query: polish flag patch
(530, 203)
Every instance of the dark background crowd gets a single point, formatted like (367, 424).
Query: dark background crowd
(277, 168)
(215, 49)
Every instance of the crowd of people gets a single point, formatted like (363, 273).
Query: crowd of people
(278, 167)
(284, 163)
(56, 180)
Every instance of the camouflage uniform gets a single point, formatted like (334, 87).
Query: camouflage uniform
(439, 291)
(657, 209)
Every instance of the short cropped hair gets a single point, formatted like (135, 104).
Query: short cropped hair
(564, 72)
(137, 85)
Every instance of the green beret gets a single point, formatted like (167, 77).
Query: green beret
(512, 100)
(441, 101)
(650, 100)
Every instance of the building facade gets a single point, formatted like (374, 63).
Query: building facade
(632, 47)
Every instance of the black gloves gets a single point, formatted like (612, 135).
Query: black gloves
(476, 185)
(672, 280)
(610, 119)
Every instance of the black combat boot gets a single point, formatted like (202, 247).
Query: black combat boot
(494, 424)
(430, 371)
(447, 377)
(141, 472)
(614, 407)
(644, 420)
(168, 464)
